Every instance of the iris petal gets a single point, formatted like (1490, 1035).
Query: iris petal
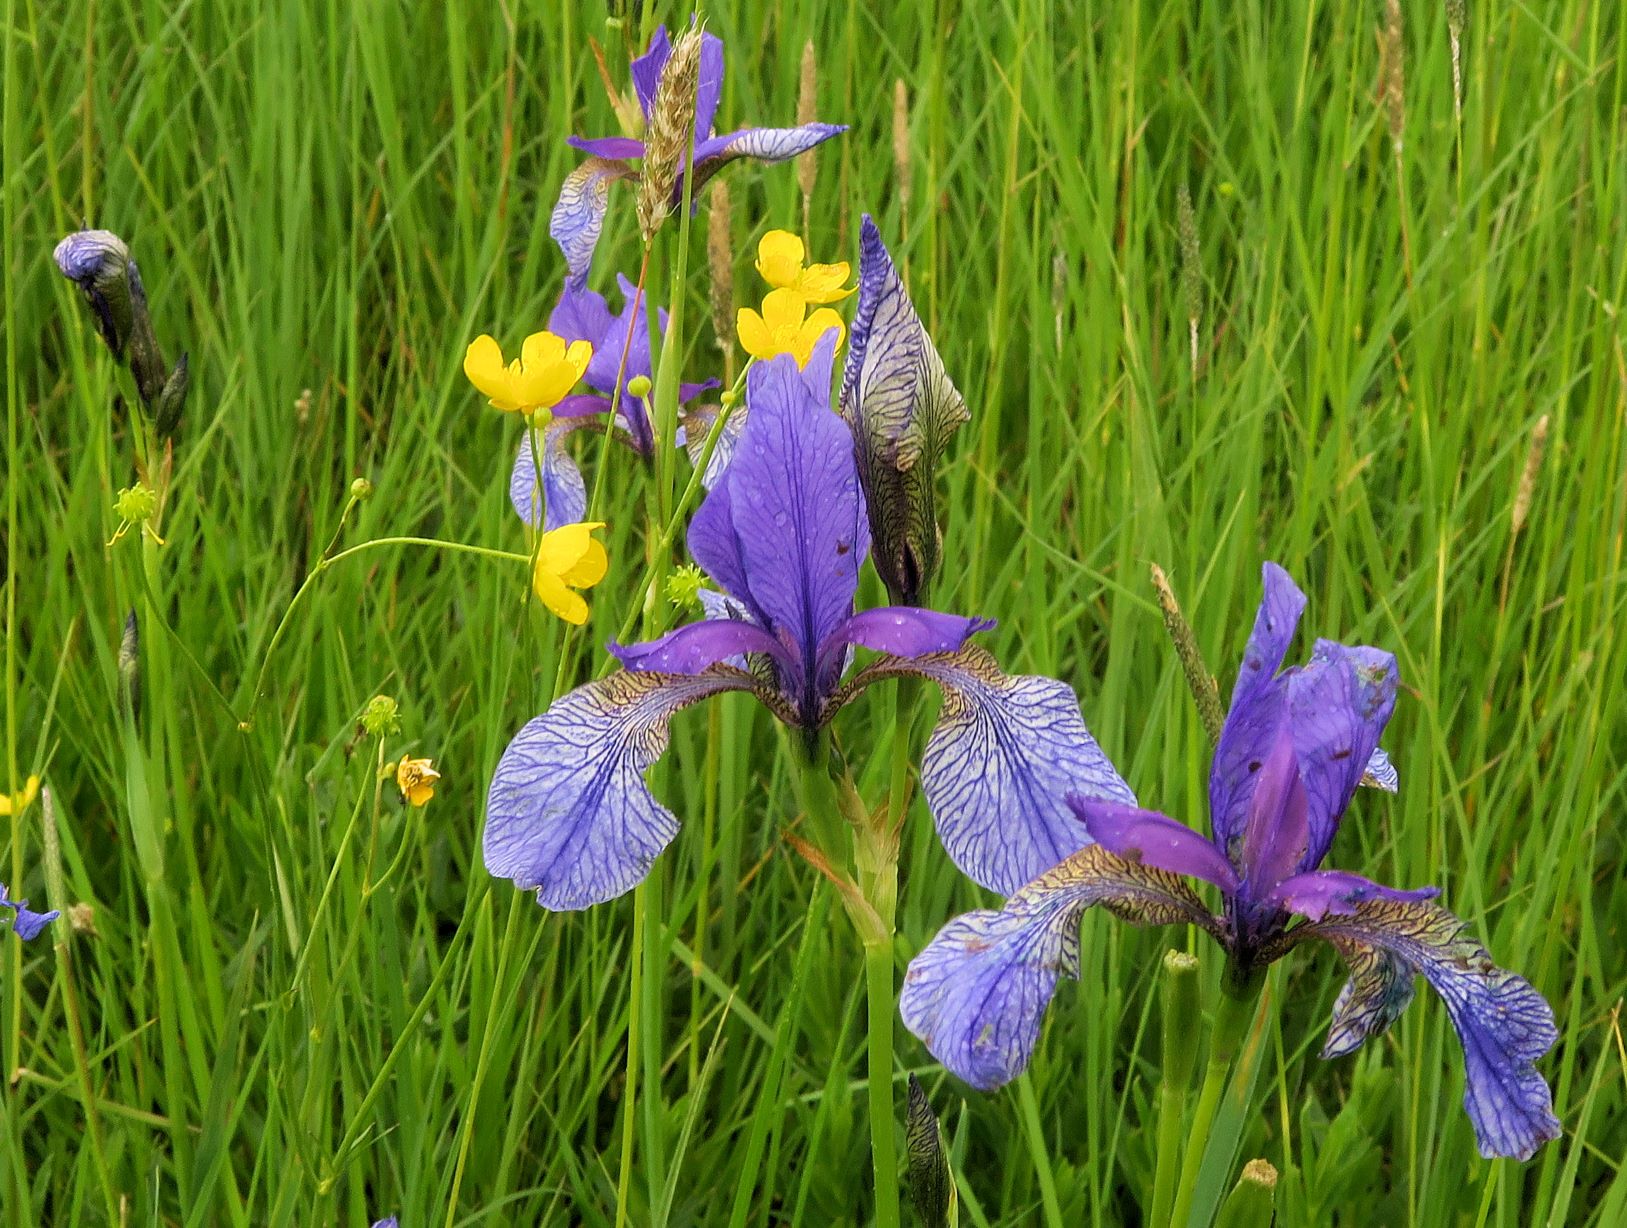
(998, 768)
(1502, 1021)
(978, 991)
(569, 814)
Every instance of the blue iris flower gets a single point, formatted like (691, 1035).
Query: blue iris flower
(578, 216)
(1294, 748)
(25, 924)
(783, 532)
(583, 315)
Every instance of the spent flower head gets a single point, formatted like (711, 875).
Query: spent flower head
(902, 408)
(381, 717)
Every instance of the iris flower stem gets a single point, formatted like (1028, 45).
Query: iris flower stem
(1234, 1012)
(878, 983)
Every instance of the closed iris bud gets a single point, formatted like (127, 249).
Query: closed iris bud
(98, 262)
(902, 408)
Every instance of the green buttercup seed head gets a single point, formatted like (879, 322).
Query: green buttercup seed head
(381, 717)
(136, 504)
(684, 586)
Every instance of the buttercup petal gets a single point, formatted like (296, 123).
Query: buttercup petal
(483, 366)
(779, 258)
(560, 601)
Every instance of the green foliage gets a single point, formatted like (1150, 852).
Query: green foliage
(296, 1002)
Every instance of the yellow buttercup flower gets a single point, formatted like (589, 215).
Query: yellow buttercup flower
(785, 328)
(16, 803)
(569, 558)
(538, 379)
(779, 259)
(416, 778)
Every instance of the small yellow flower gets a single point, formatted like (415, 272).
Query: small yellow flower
(779, 259)
(16, 803)
(782, 328)
(568, 558)
(538, 379)
(416, 779)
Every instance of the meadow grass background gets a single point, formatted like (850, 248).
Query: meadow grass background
(328, 201)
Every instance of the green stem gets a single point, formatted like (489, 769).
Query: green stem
(878, 982)
(1233, 1014)
(328, 561)
(1172, 1103)
(630, 1094)
(1029, 1107)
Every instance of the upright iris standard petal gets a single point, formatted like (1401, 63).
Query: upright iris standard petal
(1255, 712)
(563, 497)
(1000, 763)
(795, 504)
(569, 815)
(1338, 706)
(1502, 1021)
(901, 407)
(976, 994)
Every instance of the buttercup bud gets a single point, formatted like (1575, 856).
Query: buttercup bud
(639, 386)
(361, 490)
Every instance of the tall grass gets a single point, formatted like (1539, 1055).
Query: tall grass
(327, 201)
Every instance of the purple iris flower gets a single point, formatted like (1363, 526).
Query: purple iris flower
(1290, 756)
(784, 533)
(25, 924)
(388, 1221)
(579, 214)
(583, 315)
